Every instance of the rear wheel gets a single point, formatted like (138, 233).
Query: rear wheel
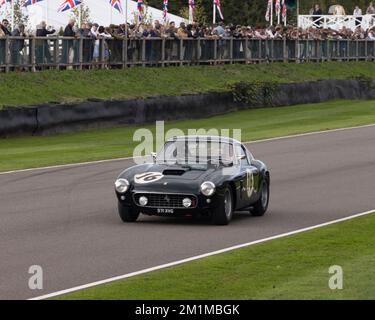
(260, 207)
(127, 214)
(223, 214)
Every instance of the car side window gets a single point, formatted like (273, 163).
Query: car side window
(240, 151)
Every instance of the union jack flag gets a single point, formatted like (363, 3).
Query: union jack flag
(3, 2)
(69, 4)
(30, 2)
(283, 10)
(140, 10)
(218, 7)
(165, 9)
(277, 7)
(116, 4)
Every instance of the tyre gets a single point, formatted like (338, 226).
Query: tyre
(127, 214)
(260, 207)
(223, 214)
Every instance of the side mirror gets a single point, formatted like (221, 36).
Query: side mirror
(241, 157)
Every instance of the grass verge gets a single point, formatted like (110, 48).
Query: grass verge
(295, 267)
(30, 152)
(68, 86)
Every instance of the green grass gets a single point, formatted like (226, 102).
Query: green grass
(68, 86)
(295, 267)
(29, 152)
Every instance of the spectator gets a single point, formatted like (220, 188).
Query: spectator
(88, 42)
(219, 30)
(370, 9)
(317, 13)
(43, 55)
(181, 32)
(2, 46)
(68, 44)
(4, 26)
(171, 30)
(371, 34)
(17, 45)
(357, 13)
(101, 36)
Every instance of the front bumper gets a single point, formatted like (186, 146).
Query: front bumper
(203, 206)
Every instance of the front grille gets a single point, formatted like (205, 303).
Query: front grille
(164, 200)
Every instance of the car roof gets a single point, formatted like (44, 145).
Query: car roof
(203, 137)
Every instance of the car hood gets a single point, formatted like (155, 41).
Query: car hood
(174, 178)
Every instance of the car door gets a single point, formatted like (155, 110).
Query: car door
(249, 177)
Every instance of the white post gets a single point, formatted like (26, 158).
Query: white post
(12, 13)
(271, 18)
(79, 15)
(297, 13)
(191, 14)
(126, 11)
(110, 18)
(214, 12)
(286, 14)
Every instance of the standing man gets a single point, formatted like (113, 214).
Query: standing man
(317, 13)
(4, 32)
(370, 9)
(68, 43)
(4, 26)
(357, 13)
(43, 55)
(17, 45)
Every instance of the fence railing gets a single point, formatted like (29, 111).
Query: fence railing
(60, 53)
(336, 22)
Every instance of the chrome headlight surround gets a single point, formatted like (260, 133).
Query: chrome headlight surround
(208, 188)
(122, 185)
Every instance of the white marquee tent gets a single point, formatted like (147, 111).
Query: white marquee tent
(101, 12)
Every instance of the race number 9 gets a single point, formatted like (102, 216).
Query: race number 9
(147, 177)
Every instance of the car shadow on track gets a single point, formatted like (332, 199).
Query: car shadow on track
(238, 217)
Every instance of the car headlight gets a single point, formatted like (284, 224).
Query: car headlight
(122, 185)
(208, 188)
(143, 201)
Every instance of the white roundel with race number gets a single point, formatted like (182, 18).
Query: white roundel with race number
(249, 182)
(147, 177)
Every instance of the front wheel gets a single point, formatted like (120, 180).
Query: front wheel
(260, 207)
(223, 214)
(127, 214)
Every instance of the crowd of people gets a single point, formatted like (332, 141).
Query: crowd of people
(95, 35)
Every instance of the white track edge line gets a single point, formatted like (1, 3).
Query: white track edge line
(178, 262)
(128, 158)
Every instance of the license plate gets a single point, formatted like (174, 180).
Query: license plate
(162, 210)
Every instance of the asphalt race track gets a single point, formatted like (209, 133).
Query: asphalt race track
(65, 219)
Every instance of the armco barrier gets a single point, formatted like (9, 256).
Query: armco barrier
(54, 118)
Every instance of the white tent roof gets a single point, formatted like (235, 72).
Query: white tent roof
(101, 12)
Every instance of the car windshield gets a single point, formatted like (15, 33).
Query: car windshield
(197, 153)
